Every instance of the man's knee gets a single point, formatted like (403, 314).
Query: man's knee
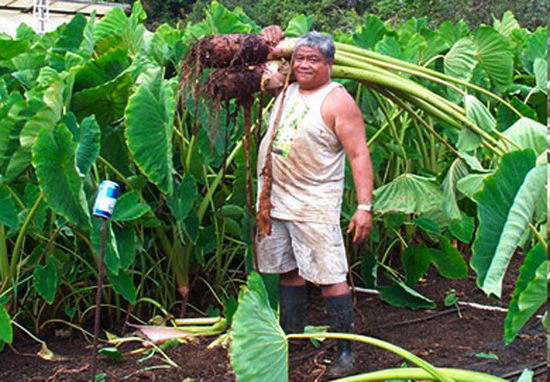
(291, 278)
(336, 289)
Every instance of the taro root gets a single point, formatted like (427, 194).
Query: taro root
(223, 50)
(241, 81)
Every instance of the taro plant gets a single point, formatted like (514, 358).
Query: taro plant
(451, 114)
(259, 349)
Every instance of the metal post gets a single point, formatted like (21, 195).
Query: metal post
(103, 208)
(41, 12)
(100, 276)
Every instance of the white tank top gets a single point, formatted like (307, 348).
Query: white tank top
(308, 160)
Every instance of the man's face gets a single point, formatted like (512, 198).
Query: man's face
(310, 68)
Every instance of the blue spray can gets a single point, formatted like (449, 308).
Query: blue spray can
(106, 199)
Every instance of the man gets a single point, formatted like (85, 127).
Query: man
(320, 124)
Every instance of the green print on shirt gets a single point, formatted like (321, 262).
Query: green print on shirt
(289, 127)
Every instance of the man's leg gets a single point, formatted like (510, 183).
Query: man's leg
(292, 301)
(339, 306)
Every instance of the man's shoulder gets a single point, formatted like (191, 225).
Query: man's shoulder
(339, 98)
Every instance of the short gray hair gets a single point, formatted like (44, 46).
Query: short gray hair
(321, 41)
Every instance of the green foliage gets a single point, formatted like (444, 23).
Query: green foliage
(506, 206)
(256, 331)
(149, 119)
(6, 331)
(97, 100)
(530, 292)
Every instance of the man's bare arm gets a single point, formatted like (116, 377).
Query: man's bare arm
(349, 128)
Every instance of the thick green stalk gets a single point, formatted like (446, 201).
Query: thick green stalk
(363, 75)
(436, 373)
(412, 113)
(419, 374)
(21, 236)
(379, 59)
(4, 262)
(356, 62)
(393, 130)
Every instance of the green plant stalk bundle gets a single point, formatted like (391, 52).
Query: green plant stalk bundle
(384, 74)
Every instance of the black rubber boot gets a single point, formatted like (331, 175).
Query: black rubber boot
(340, 313)
(292, 303)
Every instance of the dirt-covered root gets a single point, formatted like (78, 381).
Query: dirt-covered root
(234, 82)
(223, 50)
(239, 82)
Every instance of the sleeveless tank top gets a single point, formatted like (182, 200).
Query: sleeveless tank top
(308, 160)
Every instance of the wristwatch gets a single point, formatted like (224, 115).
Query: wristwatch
(365, 207)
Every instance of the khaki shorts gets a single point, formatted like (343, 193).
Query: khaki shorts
(316, 249)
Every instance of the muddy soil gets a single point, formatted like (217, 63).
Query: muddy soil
(443, 337)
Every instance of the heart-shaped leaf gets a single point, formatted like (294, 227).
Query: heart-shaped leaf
(259, 351)
(54, 158)
(505, 207)
(149, 120)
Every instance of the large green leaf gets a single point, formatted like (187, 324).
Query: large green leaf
(223, 20)
(45, 118)
(540, 68)
(408, 193)
(494, 54)
(402, 296)
(370, 33)
(478, 113)
(452, 32)
(45, 280)
(87, 150)
(449, 262)
(123, 284)
(259, 350)
(471, 184)
(182, 200)
(149, 120)
(530, 290)
(69, 41)
(435, 45)
(87, 46)
(460, 61)
(10, 48)
(6, 331)
(103, 69)
(507, 25)
(458, 170)
(127, 243)
(54, 158)
(416, 261)
(528, 134)
(462, 228)
(299, 25)
(113, 23)
(128, 207)
(8, 212)
(106, 101)
(505, 207)
(111, 256)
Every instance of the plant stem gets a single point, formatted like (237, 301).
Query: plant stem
(100, 276)
(363, 75)
(540, 239)
(436, 373)
(380, 58)
(21, 236)
(4, 261)
(419, 374)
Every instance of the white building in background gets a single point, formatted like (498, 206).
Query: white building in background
(49, 13)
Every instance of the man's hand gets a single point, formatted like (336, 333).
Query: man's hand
(362, 223)
(272, 34)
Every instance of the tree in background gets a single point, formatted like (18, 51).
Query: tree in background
(344, 15)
